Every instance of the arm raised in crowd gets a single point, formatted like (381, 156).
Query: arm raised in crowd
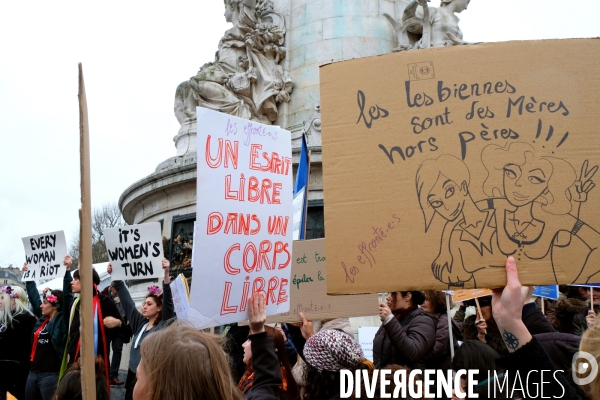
(136, 319)
(33, 294)
(267, 372)
(168, 310)
(526, 356)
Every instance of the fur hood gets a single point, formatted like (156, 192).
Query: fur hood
(571, 305)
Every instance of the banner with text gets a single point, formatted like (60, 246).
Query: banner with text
(44, 255)
(440, 163)
(308, 292)
(181, 298)
(243, 237)
(135, 251)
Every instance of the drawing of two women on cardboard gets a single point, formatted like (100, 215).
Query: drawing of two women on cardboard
(532, 211)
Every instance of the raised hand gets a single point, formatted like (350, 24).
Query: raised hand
(165, 266)
(257, 313)
(25, 267)
(67, 262)
(109, 268)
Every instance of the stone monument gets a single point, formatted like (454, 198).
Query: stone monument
(270, 42)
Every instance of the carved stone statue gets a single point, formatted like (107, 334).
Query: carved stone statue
(422, 26)
(246, 79)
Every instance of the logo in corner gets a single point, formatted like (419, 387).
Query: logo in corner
(584, 368)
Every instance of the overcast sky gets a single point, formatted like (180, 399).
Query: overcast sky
(134, 55)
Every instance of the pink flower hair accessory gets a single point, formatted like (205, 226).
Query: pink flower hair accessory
(12, 293)
(155, 290)
(52, 299)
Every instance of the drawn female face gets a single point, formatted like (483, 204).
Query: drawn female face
(525, 183)
(447, 198)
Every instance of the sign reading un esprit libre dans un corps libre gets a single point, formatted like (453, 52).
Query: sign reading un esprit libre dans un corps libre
(243, 232)
(440, 163)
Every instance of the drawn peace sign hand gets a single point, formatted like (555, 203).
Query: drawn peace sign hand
(584, 184)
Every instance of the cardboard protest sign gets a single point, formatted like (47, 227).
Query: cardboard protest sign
(181, 300)
(243, 237)
(44, 255)
(463, 295)
(440, 163)
(548, 292)
(135, 251)
(308, 289)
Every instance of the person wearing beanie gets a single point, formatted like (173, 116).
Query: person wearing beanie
(327, 353)
(49, 336)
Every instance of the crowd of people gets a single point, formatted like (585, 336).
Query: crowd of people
(507, 336)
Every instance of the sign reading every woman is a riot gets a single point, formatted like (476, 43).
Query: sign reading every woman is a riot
(44, 255)
(446, 161)
(243, 238)
(135, 251)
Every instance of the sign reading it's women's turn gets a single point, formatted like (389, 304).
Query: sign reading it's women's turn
(440, 163)
(243, 235)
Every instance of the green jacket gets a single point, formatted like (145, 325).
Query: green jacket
(59, 325)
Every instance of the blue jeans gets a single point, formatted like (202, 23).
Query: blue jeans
(41, 385)
(117, 348)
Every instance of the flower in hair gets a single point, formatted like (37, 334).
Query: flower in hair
(155, 290)
(12, 293)
(52, 299)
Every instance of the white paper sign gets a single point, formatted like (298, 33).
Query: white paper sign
(44, 255)
(298, 212)
(366, 335)
(243, 237)
(181, 301)
(135, 251)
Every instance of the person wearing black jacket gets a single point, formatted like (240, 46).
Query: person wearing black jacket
(407, 334)
(49, 336)
(16, 325)
(107, 308)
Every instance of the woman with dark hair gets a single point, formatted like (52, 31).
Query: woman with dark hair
(49, 336)
(157, 308)
(102, 307)
(70, 384)
(407, 334)
(474, 355)
(289, 388)
(16, 325)
(440, 356)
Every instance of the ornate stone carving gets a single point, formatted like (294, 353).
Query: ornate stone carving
(422, 26)
(246, 79)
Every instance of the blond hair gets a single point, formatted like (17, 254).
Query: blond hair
(11, 307)
(590, 343)
(197, 361)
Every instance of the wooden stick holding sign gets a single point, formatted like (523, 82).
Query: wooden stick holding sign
(479, 313)
(450, 326)
(591, 299)
(88, 373)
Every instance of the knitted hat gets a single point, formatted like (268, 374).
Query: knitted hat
(332, 350)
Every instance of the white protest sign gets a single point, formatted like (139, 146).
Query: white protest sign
(44, 255)
(243, 237)
(181, 300)
(366, 335)
(298, 212)
(135, 251)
